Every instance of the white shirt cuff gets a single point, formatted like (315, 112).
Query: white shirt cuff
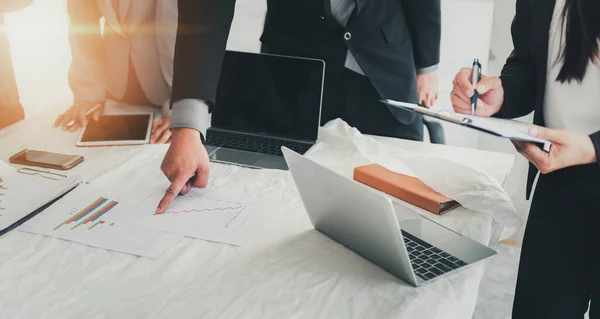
(190, 113)
(428, 69)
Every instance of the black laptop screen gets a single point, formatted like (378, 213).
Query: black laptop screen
(269, 95)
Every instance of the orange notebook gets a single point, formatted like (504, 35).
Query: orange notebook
(407, 188)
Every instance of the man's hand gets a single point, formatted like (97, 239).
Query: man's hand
(186, 165)
(491, 94)
(569, 148)
(161, 134)
(427, 87)
(75, 117)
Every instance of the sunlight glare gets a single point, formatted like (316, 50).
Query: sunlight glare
(39, 41)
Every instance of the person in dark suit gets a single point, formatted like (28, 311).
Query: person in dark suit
(374, 49)
(554, 71)
(11, 110)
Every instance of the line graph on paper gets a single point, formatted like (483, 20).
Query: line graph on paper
(204, 210)
(203, 214)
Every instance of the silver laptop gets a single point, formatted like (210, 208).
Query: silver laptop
(264, 102)
(415, 249)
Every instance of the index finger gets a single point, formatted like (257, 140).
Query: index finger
(463, 79)
(171, 193)
(58, 120)
(81, 117)
(155, 125)
(98, 114)
(66, 121)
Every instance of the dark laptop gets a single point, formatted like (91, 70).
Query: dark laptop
(265, 102)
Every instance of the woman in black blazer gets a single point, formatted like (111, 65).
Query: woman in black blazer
(554, 71)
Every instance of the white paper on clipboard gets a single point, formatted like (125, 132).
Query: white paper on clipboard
(24, 191)
(510, 129)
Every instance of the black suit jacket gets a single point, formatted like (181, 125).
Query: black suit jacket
(524, 74)
(389, 38)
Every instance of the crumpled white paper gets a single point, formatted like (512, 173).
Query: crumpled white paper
(472, 188)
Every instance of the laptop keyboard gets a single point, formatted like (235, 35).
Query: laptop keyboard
(428, 261)
(254, 143)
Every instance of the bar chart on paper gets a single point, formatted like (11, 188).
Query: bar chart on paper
(203, 214)
(90, 216)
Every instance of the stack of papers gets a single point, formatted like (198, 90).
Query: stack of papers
(124, 219)
(91, 216)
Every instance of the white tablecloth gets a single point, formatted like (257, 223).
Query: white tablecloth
(286, 270)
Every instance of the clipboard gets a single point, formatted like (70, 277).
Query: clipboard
(38, 210)
(510, 129)
(16, 220)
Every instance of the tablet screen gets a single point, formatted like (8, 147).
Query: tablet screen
(133, 127)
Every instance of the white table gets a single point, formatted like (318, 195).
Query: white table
(287, 270)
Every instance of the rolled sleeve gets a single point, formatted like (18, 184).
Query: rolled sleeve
(190, 113)
(428, 69)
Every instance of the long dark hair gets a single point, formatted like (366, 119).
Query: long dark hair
(582, 21)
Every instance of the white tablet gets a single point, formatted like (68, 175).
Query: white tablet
(118, 129)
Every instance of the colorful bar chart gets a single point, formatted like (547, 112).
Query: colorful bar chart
(90, 214)
(100, 222)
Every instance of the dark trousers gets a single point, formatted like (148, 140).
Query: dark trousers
(358, 103)
(11, 110)
(559, 269)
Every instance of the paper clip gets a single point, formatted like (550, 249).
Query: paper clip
(40, 173)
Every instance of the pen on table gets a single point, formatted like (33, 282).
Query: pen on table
(90, 111)
(475, 78)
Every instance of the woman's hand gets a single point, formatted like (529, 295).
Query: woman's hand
(161, 133)
(75, 117)
(569, 148)
(491, 94)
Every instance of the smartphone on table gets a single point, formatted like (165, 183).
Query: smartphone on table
(46, 159)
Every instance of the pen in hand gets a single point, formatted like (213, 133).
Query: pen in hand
(90, 111)
(475, 78)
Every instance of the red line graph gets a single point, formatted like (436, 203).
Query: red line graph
(201, 210)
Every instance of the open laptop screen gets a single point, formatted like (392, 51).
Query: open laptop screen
(269, 95)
